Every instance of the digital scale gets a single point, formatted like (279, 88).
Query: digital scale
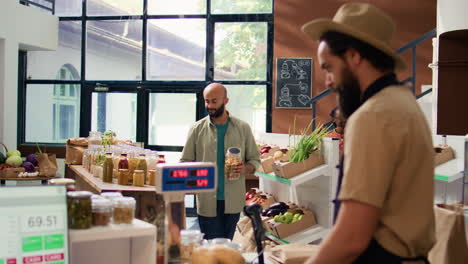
(174, 181)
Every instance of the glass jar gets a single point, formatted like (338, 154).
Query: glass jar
(141, 165)
(101, 211)
(94, 138)
(122, 176)
(151, 177)
(69, 183)
(111, 195)
(152, 160)
(124, 210)
(123, 162)
(79, 210)
(162, 159)
(190, 240)
(233, 159)
(139, 178)
(107, 168)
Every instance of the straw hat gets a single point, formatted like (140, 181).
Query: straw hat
(362, 21)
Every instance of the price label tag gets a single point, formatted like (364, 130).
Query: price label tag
(42, 222)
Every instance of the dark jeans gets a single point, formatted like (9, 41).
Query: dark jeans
(221, 226)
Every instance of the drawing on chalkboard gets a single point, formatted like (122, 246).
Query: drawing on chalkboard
(293, 82)
(303, 99)
(285, 71)
(285, 97)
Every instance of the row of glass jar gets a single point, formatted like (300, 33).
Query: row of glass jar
(136, 170)
(86, 209)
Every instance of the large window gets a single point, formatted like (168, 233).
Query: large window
(139, 68)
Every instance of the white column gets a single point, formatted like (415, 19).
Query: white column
(451, 15)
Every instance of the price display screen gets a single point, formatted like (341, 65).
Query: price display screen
(188, 178)
(33, 225)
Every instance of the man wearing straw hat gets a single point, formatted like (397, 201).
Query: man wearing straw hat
(384, 205)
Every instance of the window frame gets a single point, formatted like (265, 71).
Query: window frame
(143, 87)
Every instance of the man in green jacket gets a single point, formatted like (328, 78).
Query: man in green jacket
(208, 140)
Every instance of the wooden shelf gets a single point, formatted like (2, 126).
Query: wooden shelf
(101, 186)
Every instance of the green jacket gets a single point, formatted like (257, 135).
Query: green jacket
(201, 146)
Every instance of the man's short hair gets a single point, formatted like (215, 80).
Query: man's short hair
(333, 112)
(339, 43)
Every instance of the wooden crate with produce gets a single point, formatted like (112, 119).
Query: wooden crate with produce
(304, 155)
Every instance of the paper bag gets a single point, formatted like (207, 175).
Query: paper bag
(293, 253)
(47, 164)
(74, 150)
(451, 246)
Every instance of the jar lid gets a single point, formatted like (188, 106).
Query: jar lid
(139, 171)
(234, 150)
(79, 194)
(123, 154)
(126, 202)
(101, 204)
(123, 170)
(61, 181)
(97, 196)
(111, 195)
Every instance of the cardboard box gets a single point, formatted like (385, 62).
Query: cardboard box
(267, 165)
(269, 153)
(11, 172)
(443, 154)
(290, 169)
(282, 230)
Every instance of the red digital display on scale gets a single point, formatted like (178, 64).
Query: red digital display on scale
(185, 173)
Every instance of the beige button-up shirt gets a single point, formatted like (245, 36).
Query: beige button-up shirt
(389, 164)
(202, 146)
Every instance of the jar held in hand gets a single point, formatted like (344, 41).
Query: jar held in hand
(233, 159)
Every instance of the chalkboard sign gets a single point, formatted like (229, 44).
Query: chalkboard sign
(293, 82)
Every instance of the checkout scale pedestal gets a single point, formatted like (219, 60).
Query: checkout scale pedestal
(174, 181)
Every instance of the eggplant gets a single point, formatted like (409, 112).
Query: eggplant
(274, 212)
(278, 205)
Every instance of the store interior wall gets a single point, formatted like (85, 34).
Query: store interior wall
(413, 19)
(24, 28)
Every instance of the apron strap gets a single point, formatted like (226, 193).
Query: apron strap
(375, 253)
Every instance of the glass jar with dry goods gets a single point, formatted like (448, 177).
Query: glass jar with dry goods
(233, 159)
(123, 176)
(108, 168)
(190, 240)
(124, 210)
(139, 178)
(69, 183)
(79, 210)
(102, 212)
(111, 195)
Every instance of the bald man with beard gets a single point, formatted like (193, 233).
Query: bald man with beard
(208, 140)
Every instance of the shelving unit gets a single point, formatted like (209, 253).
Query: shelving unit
(313, 189)
(449, 176)
(118, 244)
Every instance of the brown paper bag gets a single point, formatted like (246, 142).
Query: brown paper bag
(47, 164)
(451, 246)
(74, 150)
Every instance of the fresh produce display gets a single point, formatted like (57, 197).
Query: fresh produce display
(14, 161)
(13, 152)
(28, 166)
(288, 218)
(275, 209)
(32, 158)
(2, 158)
(265, 149)
(307, 144)
(255, 196)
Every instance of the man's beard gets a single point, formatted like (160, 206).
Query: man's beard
(349, 93)
(217, 113)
